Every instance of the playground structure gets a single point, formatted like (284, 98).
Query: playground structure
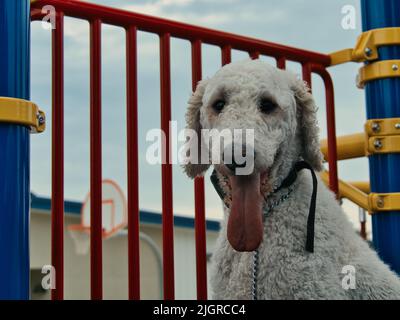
(378, 47)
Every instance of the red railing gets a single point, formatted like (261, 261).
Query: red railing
(133, 164)
(132, 22)
(57, 164)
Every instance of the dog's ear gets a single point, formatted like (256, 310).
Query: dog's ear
(194, 166)
(308, 125)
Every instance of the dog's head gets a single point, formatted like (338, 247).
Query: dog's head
(277, 118)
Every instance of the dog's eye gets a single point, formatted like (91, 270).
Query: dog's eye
(266, 105)
(219, 105)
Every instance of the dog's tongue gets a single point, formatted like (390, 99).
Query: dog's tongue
(245, 225)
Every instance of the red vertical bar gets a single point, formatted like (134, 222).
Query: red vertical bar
(226, 55)
(306, 70)
(96, 254)
(254, 55)
(200, 212)
(57, 183)
(133, 164)
(363, 230)
(167, 209)
(331, 127)
(281, 62)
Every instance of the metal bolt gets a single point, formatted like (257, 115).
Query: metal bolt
(395, 67)
(375, 127)
(380, 202)
(378, 144)
(397, 125)
(41, 119)
(368, 52)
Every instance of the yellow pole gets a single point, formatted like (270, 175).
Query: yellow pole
(361, 185)
(348, 147)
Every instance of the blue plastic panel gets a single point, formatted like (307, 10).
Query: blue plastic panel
(14, 152)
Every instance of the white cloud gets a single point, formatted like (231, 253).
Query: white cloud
(158, 9)
(174, 2)
(155, 8)
(207, 19)
(209, 16)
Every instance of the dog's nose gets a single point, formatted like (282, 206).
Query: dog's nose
(232, 163)
(233, 166)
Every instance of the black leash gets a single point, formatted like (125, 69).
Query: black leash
(287, 182)
(311, 212)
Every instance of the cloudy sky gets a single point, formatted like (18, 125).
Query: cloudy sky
(311, 24)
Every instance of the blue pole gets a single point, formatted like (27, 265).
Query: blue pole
(14, 152)
(383, 101)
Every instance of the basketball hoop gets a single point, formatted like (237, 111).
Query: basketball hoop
(114, 216)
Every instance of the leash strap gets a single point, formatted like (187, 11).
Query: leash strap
(311, 212)
(289, 180)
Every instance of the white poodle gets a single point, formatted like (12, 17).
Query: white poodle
(339, 265)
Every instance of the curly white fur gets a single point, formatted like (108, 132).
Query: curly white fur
(286, 270)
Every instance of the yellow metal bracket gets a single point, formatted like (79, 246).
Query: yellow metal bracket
(366, 48)
(22, 112)
(383, 136)
(384, 202)
(384, 144)
(378, 70)
(383, 127)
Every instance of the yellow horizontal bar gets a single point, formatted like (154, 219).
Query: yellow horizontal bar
(384, 202)
(378, 70)
(22, 112)
(348, 147)
(348, 191)
(342, 56)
